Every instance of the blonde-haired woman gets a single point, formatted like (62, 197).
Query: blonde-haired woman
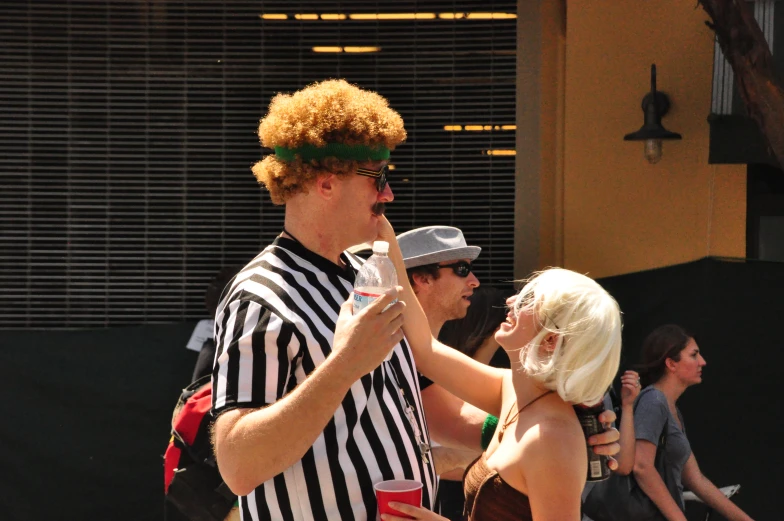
(563, 336)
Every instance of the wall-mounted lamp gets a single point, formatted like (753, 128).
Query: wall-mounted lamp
(655, 105)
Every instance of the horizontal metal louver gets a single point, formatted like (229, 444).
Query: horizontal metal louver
(128, 129)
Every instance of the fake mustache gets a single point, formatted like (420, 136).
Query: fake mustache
(378, 209)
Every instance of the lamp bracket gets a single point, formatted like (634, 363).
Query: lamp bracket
(662, 102)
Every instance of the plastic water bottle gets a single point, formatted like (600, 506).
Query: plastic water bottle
(375, 277)
(598, 469)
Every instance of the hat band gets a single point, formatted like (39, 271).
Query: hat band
(337, 150)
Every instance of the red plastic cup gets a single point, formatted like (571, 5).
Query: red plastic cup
(405, 491)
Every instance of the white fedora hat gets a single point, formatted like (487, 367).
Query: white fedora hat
(433, 244)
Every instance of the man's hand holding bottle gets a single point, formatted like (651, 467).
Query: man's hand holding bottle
(366, 338)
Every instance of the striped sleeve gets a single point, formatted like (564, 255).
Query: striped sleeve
(256, 353)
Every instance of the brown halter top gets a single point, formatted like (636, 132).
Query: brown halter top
(489, 498)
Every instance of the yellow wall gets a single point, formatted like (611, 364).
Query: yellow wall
(620, 213)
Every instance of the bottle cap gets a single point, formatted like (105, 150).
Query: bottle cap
(380, 247)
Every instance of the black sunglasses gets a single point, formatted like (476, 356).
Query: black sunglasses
(380, 176)
(461, 268)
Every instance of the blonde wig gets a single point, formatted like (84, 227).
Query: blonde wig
(587, 323)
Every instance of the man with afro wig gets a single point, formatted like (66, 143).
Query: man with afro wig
(307, 422)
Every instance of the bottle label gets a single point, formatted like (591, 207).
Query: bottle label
(595, 469)
(591, 425)
(362, 299)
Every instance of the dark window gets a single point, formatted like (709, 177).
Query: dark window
(765, 213)
(128, 130)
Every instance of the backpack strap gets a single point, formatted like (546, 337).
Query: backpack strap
(191, 421)
(662, 444)
(189, 391)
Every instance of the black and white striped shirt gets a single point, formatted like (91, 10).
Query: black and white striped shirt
(273, 327)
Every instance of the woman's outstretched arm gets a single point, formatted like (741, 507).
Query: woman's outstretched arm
(469, 380)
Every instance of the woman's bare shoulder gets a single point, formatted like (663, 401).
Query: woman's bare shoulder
(553, 463)
(554, 430)
(554, 447)
(554, 440)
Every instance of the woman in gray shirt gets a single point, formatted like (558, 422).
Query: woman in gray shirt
(671, 362)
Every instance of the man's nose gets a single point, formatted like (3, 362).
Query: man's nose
(473, 282)
(386, 195)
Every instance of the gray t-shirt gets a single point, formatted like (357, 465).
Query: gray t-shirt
(650, 416)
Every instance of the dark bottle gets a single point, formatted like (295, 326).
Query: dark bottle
(589, 420)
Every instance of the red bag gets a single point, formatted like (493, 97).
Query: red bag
(193, 486)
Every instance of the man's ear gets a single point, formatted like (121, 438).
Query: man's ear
(326, 185)
(420, 280)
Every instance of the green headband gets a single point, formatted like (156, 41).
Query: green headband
(336, 150)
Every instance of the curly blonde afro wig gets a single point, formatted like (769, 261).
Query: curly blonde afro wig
(331, 111)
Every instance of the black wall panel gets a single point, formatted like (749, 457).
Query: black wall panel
(87, 420)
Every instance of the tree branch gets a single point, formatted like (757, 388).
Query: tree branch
(743, 43)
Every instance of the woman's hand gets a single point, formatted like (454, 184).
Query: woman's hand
(606, 443)
(413, 513)
(630, 388)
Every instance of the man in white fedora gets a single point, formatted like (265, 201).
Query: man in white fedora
(438, 264)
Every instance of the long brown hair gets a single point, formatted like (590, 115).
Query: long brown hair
(487, 312)
(664, 342)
